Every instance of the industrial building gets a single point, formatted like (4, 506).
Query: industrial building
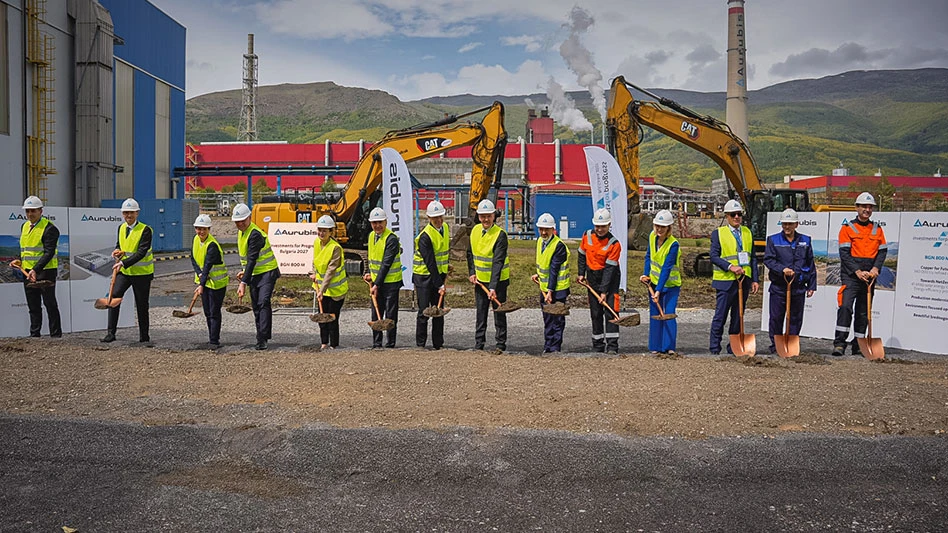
(92, 105)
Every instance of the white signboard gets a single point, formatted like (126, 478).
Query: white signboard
(397, 202)
(921, 301)
(607, 187)
(16, 318)
(93, 234)
(292, 245)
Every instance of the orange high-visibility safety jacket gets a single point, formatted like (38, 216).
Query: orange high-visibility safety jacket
(861, 246)
(599, 261)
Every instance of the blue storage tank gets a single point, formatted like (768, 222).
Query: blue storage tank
(574, 212)
(170, 221)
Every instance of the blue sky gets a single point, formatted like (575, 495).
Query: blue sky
(420, 48)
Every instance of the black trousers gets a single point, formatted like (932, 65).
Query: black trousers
(213, 300)
(141, 287)
(329, 332)
(387, 297)
(37, 298)
(261, 290)
(428, 295)
(605, 334)
(554, 325)
(854, 295)
(500, 319)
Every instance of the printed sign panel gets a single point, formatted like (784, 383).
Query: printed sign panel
(292, 245)
(921, 301)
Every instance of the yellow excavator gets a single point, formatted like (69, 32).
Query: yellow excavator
(625, 118)
(350, 208)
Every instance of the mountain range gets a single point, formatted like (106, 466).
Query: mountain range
(890, 121)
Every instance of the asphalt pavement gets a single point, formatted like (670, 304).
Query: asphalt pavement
(98, 476)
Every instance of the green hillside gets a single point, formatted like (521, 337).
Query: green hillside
(875, 120)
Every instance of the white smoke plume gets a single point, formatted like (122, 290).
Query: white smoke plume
(579, 59)
(563, 110)
(530, 104)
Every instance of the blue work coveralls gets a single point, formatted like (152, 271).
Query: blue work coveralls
(797, 255)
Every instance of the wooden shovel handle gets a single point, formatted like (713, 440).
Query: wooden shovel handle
(543, 292)
(194, 299)
(440, 299)
(487, 292)
(375, 301)
(740, 302)
(596, 294)
(112, 284)
(786, 330)
(869, 308)
(651, 294)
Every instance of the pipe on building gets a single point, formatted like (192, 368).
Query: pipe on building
(557, 171)
(361, 147)
(523, 160)
(327, 153)
(659, 188)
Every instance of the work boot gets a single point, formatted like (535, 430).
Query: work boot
(839, 351)
(109, 337)
(262, 345)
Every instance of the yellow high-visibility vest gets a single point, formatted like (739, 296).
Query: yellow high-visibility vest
(129, 245)
(440, 243)
(657, 257)
(543, 260)
(729, 251)
(482, 247)
(266, 261)
(339, 284)
(31, 246)
(377, 253)
(217, 278)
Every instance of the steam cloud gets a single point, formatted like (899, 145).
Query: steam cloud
(579, 59)
(563, 110)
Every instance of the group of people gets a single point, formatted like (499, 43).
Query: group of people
(788, 256)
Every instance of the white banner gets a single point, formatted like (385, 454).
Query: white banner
(397, 203)
(93, 234)
(607, 186)
(292, 245)
(16, 317)
(921, 301)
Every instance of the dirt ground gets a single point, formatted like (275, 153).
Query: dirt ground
(408, 388)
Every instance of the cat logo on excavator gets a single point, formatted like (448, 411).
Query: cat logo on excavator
(427, 144)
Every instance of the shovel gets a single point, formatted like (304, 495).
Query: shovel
(320, 317)
(661, 313)
(555, 308)
(186, 314)
(382, 324)
(626, 321)
(238, 308)
(871, 347)
(436, 311)
(506, 307)
(787, 345)
(743, 345)
(38, 284)
(105, 303)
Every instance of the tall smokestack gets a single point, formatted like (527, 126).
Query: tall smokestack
(736, 116)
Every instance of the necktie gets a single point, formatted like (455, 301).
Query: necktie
(127, 230)
(737, 236)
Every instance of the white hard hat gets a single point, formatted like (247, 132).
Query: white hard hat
(435, 209)
(378, 215)
(789, 216)
(240, 212)
(326, 222)
(733, 206)
(865, 198)
(130, 205)
(663, 218)
(486, 207)
(202, 221)
(32, 203)
(546, 220)
(602, 217)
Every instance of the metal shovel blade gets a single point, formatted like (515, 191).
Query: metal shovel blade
(556, 308)
(105, 303)
(181, 314)
(433, 311)
(382, 325)
(787, 345)
(507, 307)
(665, 317)
(40, 284)
(627, 321)
(238, 309)
(871, 348)
(743, 345)
(322, 318)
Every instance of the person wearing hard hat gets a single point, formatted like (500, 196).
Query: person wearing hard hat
(662, 271)
(38, 257)
(210, 275)
(733, 261)
(135, 265)
(385, 274)
(429, 271)
(862, 251)
(599, 254)
(789, 258)
(329, 279)
(260, 274)
(487, 263)
(552, 261)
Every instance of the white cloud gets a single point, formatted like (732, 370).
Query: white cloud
(530, 43)
(300, 18)
(468, 47)
(472, 79)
